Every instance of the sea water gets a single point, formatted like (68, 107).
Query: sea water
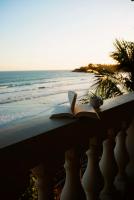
(24, 94)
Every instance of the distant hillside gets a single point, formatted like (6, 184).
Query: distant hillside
(97, 68)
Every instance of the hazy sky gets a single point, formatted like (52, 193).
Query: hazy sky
(61, 34)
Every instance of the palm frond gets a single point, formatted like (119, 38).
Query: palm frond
(124, 56)
(124, 53)
(107, 87)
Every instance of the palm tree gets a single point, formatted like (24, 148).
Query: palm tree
(112, 83)
(109, 84)
(124, 56)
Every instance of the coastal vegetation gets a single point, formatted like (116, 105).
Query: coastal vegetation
(116, 79)
(98, 68)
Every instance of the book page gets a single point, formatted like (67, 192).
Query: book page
(72, 96)
(62, 111)
(85, 110)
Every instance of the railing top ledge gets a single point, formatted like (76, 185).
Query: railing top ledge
(24, 130)
(113, 103)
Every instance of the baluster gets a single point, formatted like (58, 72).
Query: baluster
(92, 180)
(44, 181)
(130, 149)
(121, 156)
(108, 167)
(72, 189)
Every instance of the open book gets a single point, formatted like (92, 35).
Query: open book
(74, 110)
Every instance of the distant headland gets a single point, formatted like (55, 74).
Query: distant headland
(97, 68)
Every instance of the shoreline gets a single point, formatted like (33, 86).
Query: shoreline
(24, 104)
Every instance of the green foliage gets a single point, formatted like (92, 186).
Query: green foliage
(97, 68)
(110, 84)
(107, 87)
(124, 54)
(31, 192)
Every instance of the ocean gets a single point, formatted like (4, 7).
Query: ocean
(25, 94)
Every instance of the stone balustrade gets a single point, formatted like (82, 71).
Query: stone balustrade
(97, 155)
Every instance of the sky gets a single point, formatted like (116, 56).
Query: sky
(61, 34)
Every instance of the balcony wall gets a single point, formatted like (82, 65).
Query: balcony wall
(42, 146)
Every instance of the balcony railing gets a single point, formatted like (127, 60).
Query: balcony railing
(42, 146)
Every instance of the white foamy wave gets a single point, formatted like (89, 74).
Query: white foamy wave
(26, 98)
